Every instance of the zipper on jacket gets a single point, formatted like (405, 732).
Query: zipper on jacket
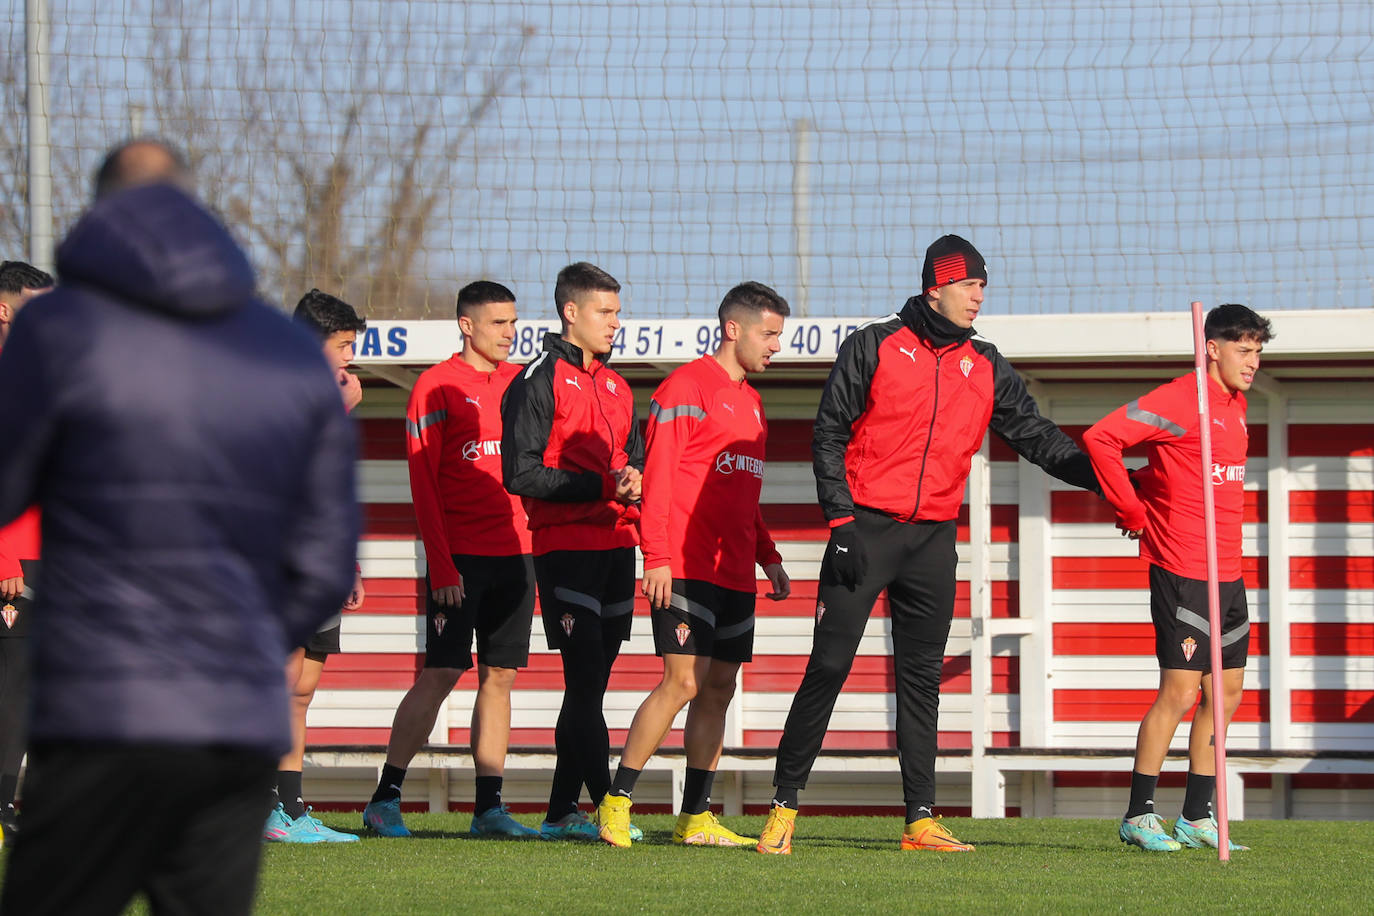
(601, 409)
(934, 412)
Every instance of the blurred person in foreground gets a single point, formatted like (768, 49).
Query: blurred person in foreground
(190, 454)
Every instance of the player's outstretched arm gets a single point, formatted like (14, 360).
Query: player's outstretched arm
(842, 402)
(1017, 419)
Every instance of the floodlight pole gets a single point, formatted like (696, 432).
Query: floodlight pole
(36, 40)
(801, 212)
(1209, 514)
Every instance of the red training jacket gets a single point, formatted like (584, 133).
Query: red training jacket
(907, 403)
(1169, 502)
(702, 478)
(565, 431)
(19, 540)
(453, 443)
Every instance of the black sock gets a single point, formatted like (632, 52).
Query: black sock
(9, 784)
(917, 810)
(488, 794)
(786, 796)
(289, 789)
(625, 779)
(1197, 796)
(696, 790)
(389, 786)
(1142, 794)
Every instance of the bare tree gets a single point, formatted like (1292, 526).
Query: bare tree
(353, 204)
(336, 176)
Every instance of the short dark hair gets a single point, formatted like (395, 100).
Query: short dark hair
(17, 276)
(479, 293)
(751, 298)
(145, 160)
(1237, 322)
(327, 315)
(577, 280)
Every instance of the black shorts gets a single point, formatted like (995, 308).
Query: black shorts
(498, 605)
(586, 588)
(18, 613)
(325, 641)
(1179, 608)
(706, 620)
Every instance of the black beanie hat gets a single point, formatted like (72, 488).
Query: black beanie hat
(950, 259)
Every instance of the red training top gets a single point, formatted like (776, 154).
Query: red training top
(19, 540)
(453, 442)
(1169, 502)
(702, 477)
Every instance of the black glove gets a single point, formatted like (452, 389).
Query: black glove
(846, 555)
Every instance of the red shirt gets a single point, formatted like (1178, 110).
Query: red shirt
(702, 477)
(19, 540)
(453, 442)
(1168, 504)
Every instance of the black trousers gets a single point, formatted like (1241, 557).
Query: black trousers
(586, 599)
(14, 699)
(916, 564)
(104, 822)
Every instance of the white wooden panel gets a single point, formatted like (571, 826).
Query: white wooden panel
(1308, 540)
(1305, 605)
(1139, 672)
(1309, 473)
(1333, 804)
(786, 482)
(1241, 735)
(786, 635)
(335, 708)
(877, 711)
(404, 559)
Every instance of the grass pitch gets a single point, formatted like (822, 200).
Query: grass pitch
(840, 866)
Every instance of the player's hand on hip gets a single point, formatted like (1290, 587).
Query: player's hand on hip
(449, 595)
(11, 588)
(778, 578)
(658, 586)
(846, 555)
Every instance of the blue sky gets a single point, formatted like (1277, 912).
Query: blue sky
(1103, 155)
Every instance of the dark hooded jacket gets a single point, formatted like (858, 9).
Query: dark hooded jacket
(194, 466)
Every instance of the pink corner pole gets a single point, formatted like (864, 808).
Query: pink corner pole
(1209, 513)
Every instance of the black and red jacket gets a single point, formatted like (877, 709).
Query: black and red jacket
(908, 402)
(565, 431)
